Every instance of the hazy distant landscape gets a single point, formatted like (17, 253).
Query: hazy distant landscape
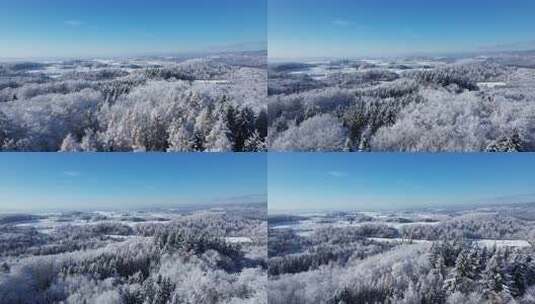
(449, 103)
(461, 255)
(212, 254)
(172, 103)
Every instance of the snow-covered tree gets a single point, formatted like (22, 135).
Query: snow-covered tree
(495, 278)
(319, 133)
(217, 140)
(181, 138)
(90, 141)
(255, 143)
(70, 144)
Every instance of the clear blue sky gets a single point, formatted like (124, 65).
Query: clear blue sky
(36, 181)
(373, 181)
(352, 28)
(37, 28)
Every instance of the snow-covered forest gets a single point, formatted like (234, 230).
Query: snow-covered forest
(183, 255)
(476, 255)
(463, 103)
(221, 103)
(214, 103)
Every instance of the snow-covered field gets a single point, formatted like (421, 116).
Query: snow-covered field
(482, 243)
(492, 85)
(48, 223)
(238, 240)
(402, 222)
(306, 227)
(321, 70)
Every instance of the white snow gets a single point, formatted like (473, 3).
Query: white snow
(491, 85)
(504, 243)
(400, 240)
(481, 243)
(238, 240)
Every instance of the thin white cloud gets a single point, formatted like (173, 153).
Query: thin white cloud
(337, 173)
(74, 23)
(72, 173)
(342, 22)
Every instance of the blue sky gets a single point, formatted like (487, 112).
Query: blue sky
(37, 181)
(372, 181)
(349, 28)
(56, 28)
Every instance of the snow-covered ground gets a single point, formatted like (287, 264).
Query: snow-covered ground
(321, 222)
(504, 243)
(238, 239)
(481, 243)
(320, 70)
(48, 222)
(317, 220)
(491, 85)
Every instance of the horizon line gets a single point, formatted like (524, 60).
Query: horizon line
(205, 52)
(445, 54)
